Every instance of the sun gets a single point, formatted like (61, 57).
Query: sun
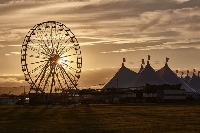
(61, 60)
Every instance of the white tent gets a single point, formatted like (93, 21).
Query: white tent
(169, 76)
(147, 76)
(124, 76)
(195, 83)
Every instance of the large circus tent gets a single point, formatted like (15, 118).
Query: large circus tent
(147, 76)
(195, 82)
(126, 78)
(169, 76)
(123, 76)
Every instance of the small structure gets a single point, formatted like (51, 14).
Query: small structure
(8, 100)
(172, 95)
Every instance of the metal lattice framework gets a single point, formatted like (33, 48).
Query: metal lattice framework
(51, 58)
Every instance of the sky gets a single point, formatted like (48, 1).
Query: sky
(107, 31)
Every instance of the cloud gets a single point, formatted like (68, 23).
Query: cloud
(184, 41)
(120, 27)
(4, 1)
(148, 25)
(12, 80)
(168, 45)
(7, 54)
(121, 17)
(15, 52)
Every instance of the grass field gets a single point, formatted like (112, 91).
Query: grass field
(101, 118)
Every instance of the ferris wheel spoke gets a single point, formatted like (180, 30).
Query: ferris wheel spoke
(40, 38)
(38, 57)
(39, 45)
(41, 79)
(64, 38)
(65, 51)
(47, 40)
(51, 38)
(70, 61)
(44, 48)
(37, 68)
(71, 80)
(36, 50)
(63, 48)
(53, 80)
(64, 73)
(71, 68)
(68, 55)
(42, 70)
(46, 81)
(59, 81)
(43, 75)
(77, 76)
(39, 62)
(57, 47)
(63, 77)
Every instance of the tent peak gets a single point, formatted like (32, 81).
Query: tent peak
(148, 63)
(141, 68)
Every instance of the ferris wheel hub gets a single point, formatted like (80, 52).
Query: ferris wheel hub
(55, 59)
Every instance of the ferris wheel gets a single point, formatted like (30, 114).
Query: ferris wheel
(51, 58)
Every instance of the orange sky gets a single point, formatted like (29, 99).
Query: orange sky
(107, 31)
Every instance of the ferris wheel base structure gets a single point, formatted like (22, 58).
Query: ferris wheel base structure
(51, 60)
(52, 98)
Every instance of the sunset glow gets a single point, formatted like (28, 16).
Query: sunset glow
(107, 31)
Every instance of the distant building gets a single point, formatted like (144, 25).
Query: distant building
(6, 100)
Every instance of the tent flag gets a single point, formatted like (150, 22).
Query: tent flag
(182, 74)
(194, 70)
(187, 71)
(124, 60)
(143, 61)
(149, 57)
(167, 59)
(176, 71)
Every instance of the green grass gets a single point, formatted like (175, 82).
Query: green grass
(101, 118)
